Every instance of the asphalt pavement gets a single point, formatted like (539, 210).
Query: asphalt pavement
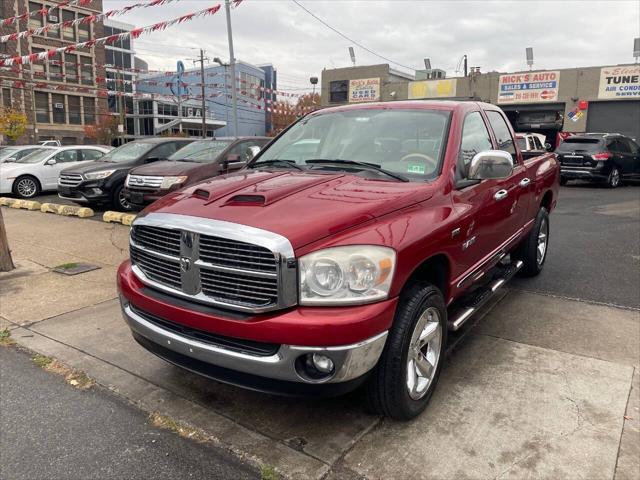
(50, 430)
(594, 249)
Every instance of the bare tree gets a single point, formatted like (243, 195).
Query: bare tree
(6, 263)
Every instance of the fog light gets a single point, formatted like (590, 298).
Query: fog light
(322, 363)
(97, 191)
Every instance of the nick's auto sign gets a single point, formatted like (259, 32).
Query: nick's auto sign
(619, 82)
(531, 87)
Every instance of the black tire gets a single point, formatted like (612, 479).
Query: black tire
(26, 186)
(563, 181)
(386, 391)
(528, 250)
(613, 180)
(118, 202)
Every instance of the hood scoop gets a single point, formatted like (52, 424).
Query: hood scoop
(201, 193)
(244, 199)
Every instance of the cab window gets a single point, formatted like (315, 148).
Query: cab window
(67, 156)
(502, 132)
(475, 139)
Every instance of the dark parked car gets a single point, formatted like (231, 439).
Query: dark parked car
(602, 157)
(102, 182)
(198, 161)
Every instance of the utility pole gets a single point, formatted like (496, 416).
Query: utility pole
(232, 64)
(465, 66)
(204, 104)
(121, 107)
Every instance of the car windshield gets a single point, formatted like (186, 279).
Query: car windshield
(128, 152)
(588, 145)
(203, 151)
(405, 142)
(36, 157)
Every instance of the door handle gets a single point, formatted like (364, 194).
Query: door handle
(501, 195)
(524, 182)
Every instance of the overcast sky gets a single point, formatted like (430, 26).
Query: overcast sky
(493, 34)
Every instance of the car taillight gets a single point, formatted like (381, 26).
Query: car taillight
(601, 156)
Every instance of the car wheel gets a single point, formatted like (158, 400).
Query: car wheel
(26, 186)
(533, 249)
(403, 381)
(614, 178)
(119, 201)
(563, 181)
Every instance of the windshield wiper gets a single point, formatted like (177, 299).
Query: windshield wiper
(285, 163)
(364, 165)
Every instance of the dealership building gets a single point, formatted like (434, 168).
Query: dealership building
(551, 102)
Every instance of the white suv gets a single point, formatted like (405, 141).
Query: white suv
(37, 172)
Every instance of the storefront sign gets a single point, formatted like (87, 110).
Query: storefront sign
(432, 88)
(364, 90)
(620, 82)
(531, 87)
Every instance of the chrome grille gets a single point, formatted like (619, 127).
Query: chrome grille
(161, 240)
(216, 269)
(144, 183)
(69, 179)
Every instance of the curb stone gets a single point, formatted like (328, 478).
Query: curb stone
(67, 210)
(17, 203)
(118, 217)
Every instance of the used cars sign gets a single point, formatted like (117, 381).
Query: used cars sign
(530, 87)
(620, 82)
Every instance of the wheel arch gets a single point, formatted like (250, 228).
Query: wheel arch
(22, 175)
(435, 270)
(547, 200)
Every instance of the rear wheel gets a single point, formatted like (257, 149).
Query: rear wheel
(614, 178)
(26, 186)
(405, 378)
(533, 249)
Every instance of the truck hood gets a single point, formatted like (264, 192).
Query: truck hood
(167, 168)
(302, 206)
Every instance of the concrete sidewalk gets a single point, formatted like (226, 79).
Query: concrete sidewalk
(542, 388)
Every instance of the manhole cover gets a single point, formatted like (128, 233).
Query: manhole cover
(75, 268)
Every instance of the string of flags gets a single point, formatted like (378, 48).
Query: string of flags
(43, 11)
(135, 33)
(81, 21)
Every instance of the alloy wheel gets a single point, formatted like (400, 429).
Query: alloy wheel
(614, 178)
(26, 187)
(122, 200)
(543, 237)
(424, 353)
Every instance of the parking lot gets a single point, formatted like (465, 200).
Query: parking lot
(545, 385)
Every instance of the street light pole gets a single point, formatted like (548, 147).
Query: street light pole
(232, 65)
(204, 105)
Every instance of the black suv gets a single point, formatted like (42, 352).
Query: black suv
(102, 182)
(602, 157)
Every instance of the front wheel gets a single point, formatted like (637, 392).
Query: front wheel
(119, 200)
(533, 249)
(26, 186)
(405, 378)
(614, 178)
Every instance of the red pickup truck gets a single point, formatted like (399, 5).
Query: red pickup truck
(343, 254)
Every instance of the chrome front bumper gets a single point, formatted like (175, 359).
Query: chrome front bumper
(351, 361)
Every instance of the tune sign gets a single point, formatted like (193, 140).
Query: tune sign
(530, 87)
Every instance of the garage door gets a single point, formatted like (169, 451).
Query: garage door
(615, 117)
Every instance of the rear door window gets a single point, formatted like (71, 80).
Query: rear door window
(619, 146)
(67, 156)
(501, 131)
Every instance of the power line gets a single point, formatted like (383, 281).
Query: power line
(350, 39)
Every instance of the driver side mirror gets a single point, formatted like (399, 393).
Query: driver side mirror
(51, 161)
(252, 151)
(233, 162)
(491, 164)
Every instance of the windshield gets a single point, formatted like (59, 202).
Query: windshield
(128, 152)
(203, 151)
(405, 142)
(588, 145)
(36, 157)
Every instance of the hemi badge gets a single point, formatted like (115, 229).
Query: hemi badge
(455, 232)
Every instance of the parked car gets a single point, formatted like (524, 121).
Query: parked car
(50, 143)
(11, 154)
(346, 267)
(39, 171)
(532, 144)
(601, 157)
(197, 161)
(102, 183)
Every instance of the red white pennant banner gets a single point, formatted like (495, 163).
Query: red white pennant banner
(135, 33)
(43, 11)
(81, 21)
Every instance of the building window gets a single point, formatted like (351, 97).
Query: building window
(55, 68)
(74, 110)
(109, 56)
(36, 21)
(59, 114)
(338, 91)
(38, 69)
(84, 29)
(71, 68)
(86, 66)
(42, 107)
(6, 97)
(68, 32)
(89, 111)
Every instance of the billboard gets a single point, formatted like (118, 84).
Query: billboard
(364, 90)
(432, 89)
(530, 87)
(619, 82)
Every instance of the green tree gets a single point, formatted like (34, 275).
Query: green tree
(13, 124)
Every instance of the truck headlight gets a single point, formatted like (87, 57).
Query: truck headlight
(346, 275)
(168, 182)
(98, 175)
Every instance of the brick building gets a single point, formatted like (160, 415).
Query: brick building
(50, 93)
